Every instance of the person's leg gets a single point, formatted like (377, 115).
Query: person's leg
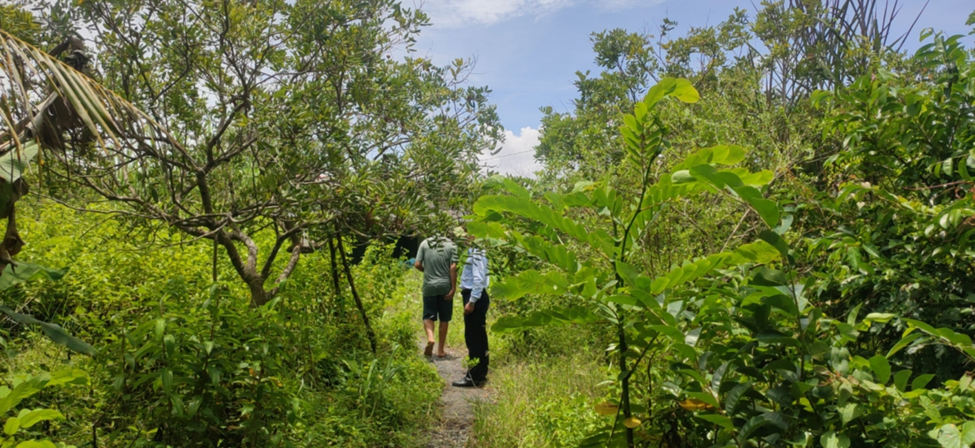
(443, 339)
(478, 346)
(430, 311)
(446, 314)
(428, 326)
(465, 295)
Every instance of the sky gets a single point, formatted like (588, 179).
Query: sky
(528, 51)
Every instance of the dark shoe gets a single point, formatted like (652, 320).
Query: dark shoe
(468, 382)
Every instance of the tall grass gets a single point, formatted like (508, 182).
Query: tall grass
(540, 403)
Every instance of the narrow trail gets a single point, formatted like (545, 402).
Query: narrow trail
(457, 413)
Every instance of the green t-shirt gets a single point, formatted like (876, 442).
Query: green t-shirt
(436, 254)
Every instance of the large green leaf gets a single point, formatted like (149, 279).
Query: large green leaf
(36, 444)
(14, 163)
(881, 368)
(719, 420)
(834, 440)
(951, 436)
(769, 418)
(530, 282)
(678, 88)
(757, 252)
(767, 209)
(53, 331)
(36, 416)
(526, 208)
(22, 391)
(27, 271)
(556, 254)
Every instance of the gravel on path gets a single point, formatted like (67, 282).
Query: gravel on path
(457, 414)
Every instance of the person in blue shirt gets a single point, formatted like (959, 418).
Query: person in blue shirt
(474, 281)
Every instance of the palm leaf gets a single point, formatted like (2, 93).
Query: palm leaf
(38, 84)
(48, 104)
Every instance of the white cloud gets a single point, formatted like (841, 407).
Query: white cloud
(457, 13)
(517, 155)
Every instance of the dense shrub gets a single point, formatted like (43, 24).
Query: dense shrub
(184, 361)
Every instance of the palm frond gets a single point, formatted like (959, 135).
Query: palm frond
(46, 104)
(46, 100)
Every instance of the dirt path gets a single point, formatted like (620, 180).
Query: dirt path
(457, 417)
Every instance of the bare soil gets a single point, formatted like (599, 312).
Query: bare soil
(457, 414)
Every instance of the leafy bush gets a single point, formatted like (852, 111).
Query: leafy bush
(736, 350)
(184, 362)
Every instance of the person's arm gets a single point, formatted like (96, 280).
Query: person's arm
(479, 269)
(453, 281)
(419, 257)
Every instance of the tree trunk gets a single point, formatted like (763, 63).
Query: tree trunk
(339, 302)
(355, 295)
(258, 296)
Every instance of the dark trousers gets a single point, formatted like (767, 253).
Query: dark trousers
(475, 335)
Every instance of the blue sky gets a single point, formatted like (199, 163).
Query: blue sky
(528, 51)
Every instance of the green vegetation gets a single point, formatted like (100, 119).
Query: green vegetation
(182, 363)
(759, 234)
(800, 281)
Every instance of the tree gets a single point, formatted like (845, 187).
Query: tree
(288, 118)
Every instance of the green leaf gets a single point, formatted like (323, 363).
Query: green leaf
(671, 332)
(767, 209)
(879, 317)
(705, 397)
(526, 208)
(904, 342)
(900, 380)
(734, 395)
(776, 241)
(159, 328)
(719, 420)
(27, 271)
(36, 444)
(921, 381)
(53, 332)
(627, 272)
(682, 177)
(759, 421)
(727, 154)
(531, 282)
(834, 440)
(515, 188)
(848, 412)
(757, 252)
(13, 164)
(25, 389)
(11, 426)
(681, 89)
(39, 415)
(881, 368)
(68, 376)
(685, 91)
(949, 436)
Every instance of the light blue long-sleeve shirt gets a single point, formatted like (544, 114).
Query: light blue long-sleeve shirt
(475, 275)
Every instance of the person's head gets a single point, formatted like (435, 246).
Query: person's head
(460, 232)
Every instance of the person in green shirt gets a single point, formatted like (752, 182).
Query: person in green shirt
(437, 259)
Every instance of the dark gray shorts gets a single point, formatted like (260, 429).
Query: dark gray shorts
(436, 307)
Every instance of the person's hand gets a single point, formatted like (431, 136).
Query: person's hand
(450, 295)
(469, 308)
